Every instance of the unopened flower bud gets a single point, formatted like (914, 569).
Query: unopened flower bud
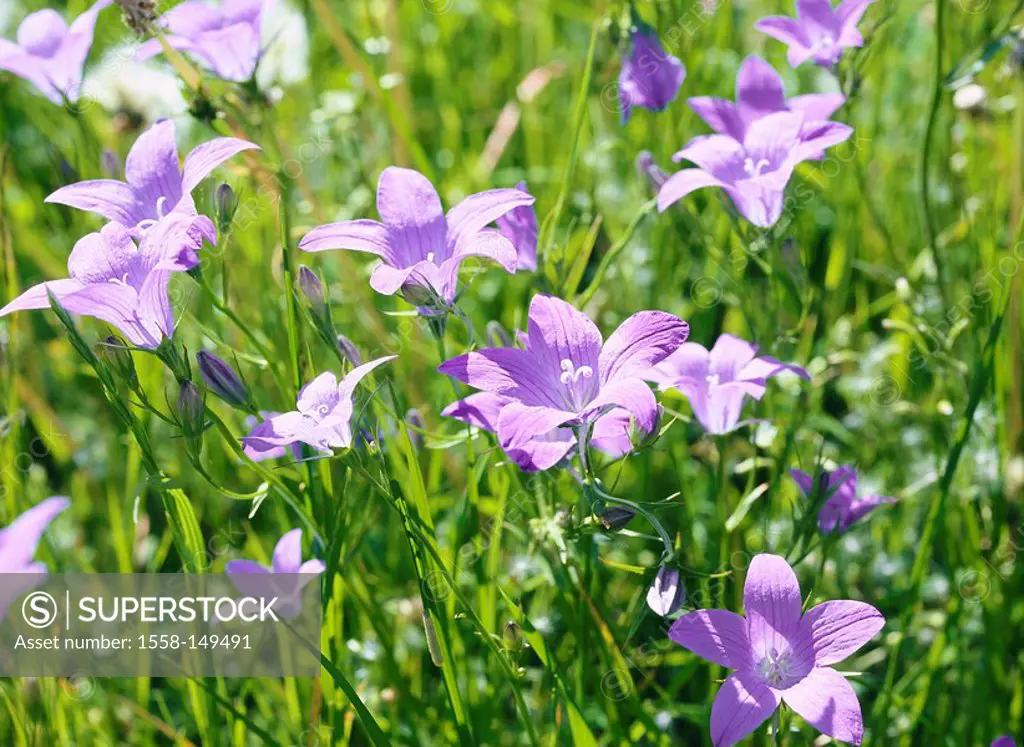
(110, 164)
(615, 518)
(313, 290)
(666, 593)
(349, 351)
(497, 336)
(223, 380)
(648, 168)
(114, 351)
(224, 206)
(191, 415)
(415, 423)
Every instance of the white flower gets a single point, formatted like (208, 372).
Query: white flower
(285, 41)
(120, 84)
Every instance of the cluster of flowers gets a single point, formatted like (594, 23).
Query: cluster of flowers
(561, 387)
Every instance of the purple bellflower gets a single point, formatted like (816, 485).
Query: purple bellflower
(754, 172)
(420, 247)
(156, 184)
(567, 376)
(780, 655)
(759, 92)
(716, 382)
(818, 32)
(257, 580)
(844, 507)
(259, 451)
(49, 54)
(611, 434)
(18, 543)
(322, 418)
(226, 38)
(1004, 741)
(650, 76)
(124, 284)
(520, 227)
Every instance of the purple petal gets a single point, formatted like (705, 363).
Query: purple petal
(521, 228)
(790, 33)
(743, 703)
(480, 410)
(519, 423)
(718, 408)
(192, 18)
(37, 297)
(816, 106)
(849, 12)
(861, 507)
(612, 433)
(357, 235)
(837, 629)
(718, 636)
(351, 380)
(19, 540)
(319, 396)
(232, 51)
(713, 153)
(153, 171)
(30, 68)
(642, 341)
(690, 362)
(388, 280)
(817, 16)
(411, 210)
(559, 332)
(633, 395)
(650, 77)
(760, 203)
(154, 312)
(681, 184)
(474, 213)
(280, 430)
(42, 32)
(541, 454)
(774, 136)
(510, 372)
(112, 199)
(208, 156)
(803, 481)
(820, 135)
(827, 702)
(288, 553)
(1004, 741)
(758, 89)
(771, 598)
(729, 355)
(721, 116)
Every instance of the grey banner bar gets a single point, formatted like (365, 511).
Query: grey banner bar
(160, 625)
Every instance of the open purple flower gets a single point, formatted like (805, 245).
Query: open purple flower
(156, 184)
(716, 382)
(780, 655)
(420, 247)
(818, 32)
(323, 415)
(844, 507)
(257, 580)
(612, 433)
(1004, 741)
(124, 284)
(224, 38)
(566, 376)
(259, 451)
(49, 54)
(520, 227)
(759, 92)
(754, 172)
(650, 76)
(18, 543)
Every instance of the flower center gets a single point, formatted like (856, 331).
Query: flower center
(775, 669)
(575, 381)
(712, 379)
(430, 256)
(822, 44)
(754, 169)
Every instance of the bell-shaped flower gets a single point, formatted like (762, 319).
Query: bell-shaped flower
(520, 227)
(285, 579)
(754, 172)
(717, 382)
(49, 54)
(650, 76)
(18, 543)
(420, 247)
(843, 507)
(819, 32)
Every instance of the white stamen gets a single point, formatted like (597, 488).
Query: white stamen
(430, 256)
(754, 169)
(160, 204)
(570, 374)
(774, 668)
(712, 379)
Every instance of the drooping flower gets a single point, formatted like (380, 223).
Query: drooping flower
(323, 414)
(156, 185)
(223, 380)
(754, 172)
(18, 543)
(225, 38)
(650, 76)
(843, 507)
(259, 451)
(1005, 741)
(420, 247)
(123, 283)
(759, 92)
(49, 54)
(666, 593)
(566, 376)
(293, 575)
(819, 31)
(780, 655)
(520, 227)
(612, 432)
(716, 382)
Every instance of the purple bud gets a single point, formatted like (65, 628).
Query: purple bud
(191, 415)
(224, 206)
(223, 380)
(648, 168)
(313, 290)
(413, 419)
(497, 336)
(115, 352)
(666, 593)
(615, 518)
(349, 351)
(110, 163)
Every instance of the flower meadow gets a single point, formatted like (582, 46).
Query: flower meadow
(624, 372)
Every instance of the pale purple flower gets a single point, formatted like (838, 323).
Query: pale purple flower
(754, 172)
(567, 376)
(226, 38)
(650, 76)
(259, 451)
(612, 433)
(323, 414)
(818, 32)
(257, 580)
(123, 283)
(780, 655)
(844, 507)
(520, 227)
(716, 382)
(49, 54)
(156, 185)
(18, 543)
(1004, 741)
(665, 594)
(420, 247)
(759, 92)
